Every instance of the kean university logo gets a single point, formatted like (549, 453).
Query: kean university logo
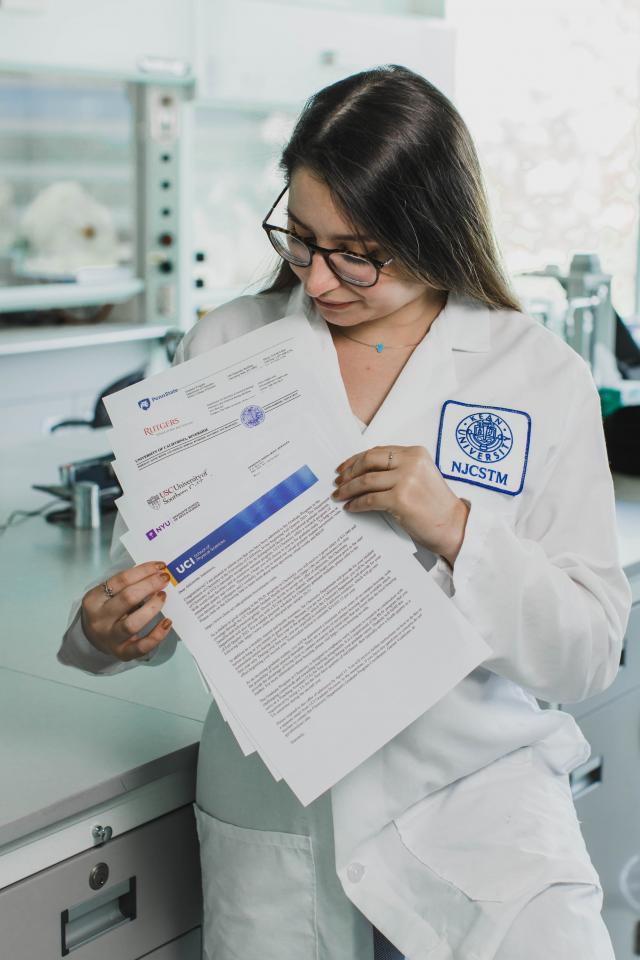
(483, 445)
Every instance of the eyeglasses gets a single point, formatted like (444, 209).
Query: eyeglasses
(353, 268)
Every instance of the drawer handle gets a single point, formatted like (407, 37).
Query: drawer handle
(586, 778)
(97, 916)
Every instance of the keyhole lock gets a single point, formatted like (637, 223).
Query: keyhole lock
(98, 876)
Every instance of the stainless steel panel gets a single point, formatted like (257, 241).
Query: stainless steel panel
(163, 859)
(608, 805)
(188, 947)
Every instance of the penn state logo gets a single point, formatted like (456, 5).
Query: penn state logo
(144, 404)
(252, 416)
(484, 437)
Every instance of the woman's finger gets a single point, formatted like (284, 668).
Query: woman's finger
(365, 483)
(137, 647)
(95, 598)
(126, 600)
(135, 622)
(126, 578)
(376, 458)
(372, 501)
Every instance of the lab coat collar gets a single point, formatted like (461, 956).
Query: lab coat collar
(428, 378)
(467, 322)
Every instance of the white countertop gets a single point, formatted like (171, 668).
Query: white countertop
(46, 566)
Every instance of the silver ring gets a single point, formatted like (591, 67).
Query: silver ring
(107, 589)
(389, 460)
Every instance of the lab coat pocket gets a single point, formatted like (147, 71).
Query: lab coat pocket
(259, 892)
(504, 832)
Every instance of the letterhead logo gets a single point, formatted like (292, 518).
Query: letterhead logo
(147, 401)
(252, 415)
(161, 427)
(153, 533)
(177, 489)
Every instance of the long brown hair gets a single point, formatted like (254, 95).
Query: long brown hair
(402, 168)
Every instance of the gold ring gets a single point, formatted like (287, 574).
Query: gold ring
(107, 589)
(389, 460)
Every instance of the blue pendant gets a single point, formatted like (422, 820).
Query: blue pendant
(379, 347)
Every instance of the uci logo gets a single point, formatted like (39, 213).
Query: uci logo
(144, 404)
(185, 565)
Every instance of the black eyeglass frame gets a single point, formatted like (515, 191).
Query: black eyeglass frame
(324, 252)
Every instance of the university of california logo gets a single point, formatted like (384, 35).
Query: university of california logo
(484, 437)
(252, 416)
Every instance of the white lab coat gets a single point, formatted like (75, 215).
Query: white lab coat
(446, 833)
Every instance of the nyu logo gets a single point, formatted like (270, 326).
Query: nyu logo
(144, 404)
(153, 533)
(185, 565)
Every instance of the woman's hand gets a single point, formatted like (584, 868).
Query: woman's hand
(116, 612)
(405, 482)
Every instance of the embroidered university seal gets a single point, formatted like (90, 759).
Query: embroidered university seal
(484, 437)
(488, 446)
(252, 416)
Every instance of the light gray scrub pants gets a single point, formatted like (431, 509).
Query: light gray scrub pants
(562, 922)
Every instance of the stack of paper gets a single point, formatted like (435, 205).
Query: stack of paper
(318, 633)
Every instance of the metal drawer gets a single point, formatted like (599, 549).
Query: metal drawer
(152, 895)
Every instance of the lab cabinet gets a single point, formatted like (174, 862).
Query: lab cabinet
(606, 792)
(265, 64)
(188, 947)
(135, 895)
(119, 39)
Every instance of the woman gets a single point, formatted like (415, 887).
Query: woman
(459, 838)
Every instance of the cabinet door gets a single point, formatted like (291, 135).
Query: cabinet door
(607, 799)
(290, 52)
(112, 37)
(152, 895)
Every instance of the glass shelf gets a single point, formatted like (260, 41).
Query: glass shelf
(48, 296)
(21, 340)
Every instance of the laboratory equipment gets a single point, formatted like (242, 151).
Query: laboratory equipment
(86, 505)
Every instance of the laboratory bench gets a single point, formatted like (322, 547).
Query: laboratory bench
(98, 773)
